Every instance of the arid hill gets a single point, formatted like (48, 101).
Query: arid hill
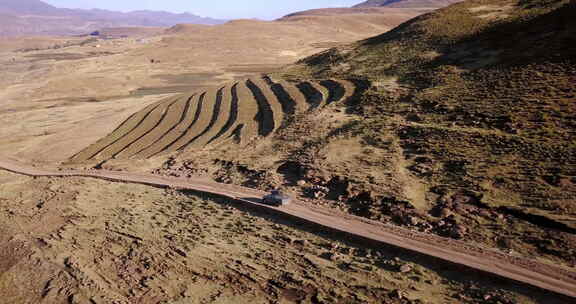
(382, 11)
(474, 106)
(429, 125)
(83, 76)
(238, 113)
(458, 123)
(406, 3)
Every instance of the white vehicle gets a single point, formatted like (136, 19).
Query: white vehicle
(276, 198)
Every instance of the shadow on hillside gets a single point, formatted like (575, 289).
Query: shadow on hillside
(252, 199)
(548, 37)
(363, 247)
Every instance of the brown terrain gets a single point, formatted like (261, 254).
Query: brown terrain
(78, 240)
(515, 268)
(422, 169)
(82, 82)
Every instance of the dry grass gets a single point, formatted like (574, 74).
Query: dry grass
(174, 114)
(253, 107)
(480, 108)
(174, 134)
(219, 120)
(96, 241)
(131, 138)
(126, 127)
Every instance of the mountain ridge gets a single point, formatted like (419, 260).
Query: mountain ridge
(406, 3)
(27, 7)
(387, 7)
(35, 17)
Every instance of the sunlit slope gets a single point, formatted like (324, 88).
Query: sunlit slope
(236, 113)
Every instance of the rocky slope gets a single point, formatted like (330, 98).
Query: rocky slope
(470, 116)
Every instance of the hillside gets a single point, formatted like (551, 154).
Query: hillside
(34, 17)
(406, 3)
(458, 123)
(67, 73)
(430, 125)
(474, 104)
(216, 117)
(352, 20)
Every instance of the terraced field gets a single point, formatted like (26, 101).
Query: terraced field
(236, 113)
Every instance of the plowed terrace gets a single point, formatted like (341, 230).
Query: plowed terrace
(234, 113)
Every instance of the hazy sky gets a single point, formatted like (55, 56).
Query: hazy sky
(227, 9)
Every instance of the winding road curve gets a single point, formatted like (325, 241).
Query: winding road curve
(545, 276)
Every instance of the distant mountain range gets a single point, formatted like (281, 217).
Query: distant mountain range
(34, 17)
(406, 3)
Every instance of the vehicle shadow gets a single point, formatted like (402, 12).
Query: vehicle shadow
(363, 247)
(257, 200)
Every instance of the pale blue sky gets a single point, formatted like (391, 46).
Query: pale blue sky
(227, 9)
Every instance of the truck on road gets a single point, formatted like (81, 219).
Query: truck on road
(276, 198)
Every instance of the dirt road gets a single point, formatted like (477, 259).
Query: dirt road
(556, 279)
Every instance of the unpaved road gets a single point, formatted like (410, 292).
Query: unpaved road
(559, 280)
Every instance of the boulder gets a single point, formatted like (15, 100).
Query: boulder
(406, 268)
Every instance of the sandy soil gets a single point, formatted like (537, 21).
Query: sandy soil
(515, 268)
(79, 240)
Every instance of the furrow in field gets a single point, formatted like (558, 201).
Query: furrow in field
(192, 116)
(265, 117)
(149, 123)
(173, 117)
(293, 95)
(278, 109)
(247, 115)
(125, 128)
(232, 118)
(287, 101)
(246, 127)
(206, 116)
(337, 92)
(323, 91)
(237, 133)
(314, 97)
(219, 118)
(186, 118)
(349, 88)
